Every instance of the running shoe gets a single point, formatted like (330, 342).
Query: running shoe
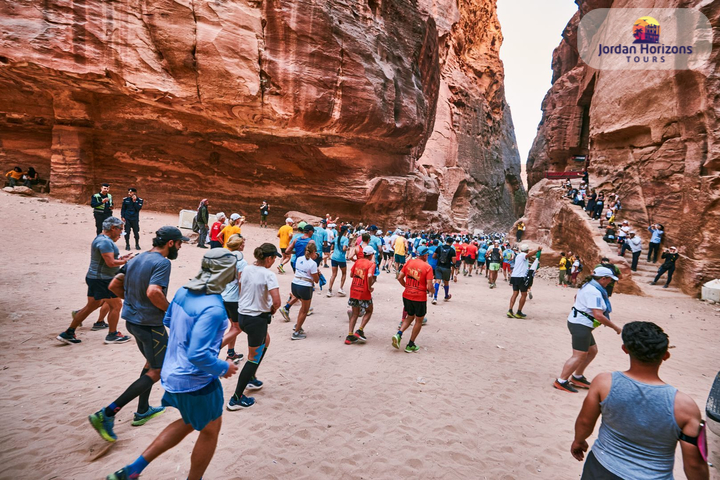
(581, 382)
(99, 326)
(530, 295)
(242, 402)
(412, 349)
(455, 279)
(117, 337)
(310, 312)
(285, 313)
(360, 335)
(254, 384)
(103, 425)
(143, 418)
(350, 339)
(69, 339)
(492, 285)
(434, 301)
(280, 269)
(425, 320)
(565, 387)
(234, 357)
(469, 275)
(329, 294)
(448, 297)
(396, 340)
(510, 314)
(519, 314)
(298, 336)
(341, 293)
(122, 474)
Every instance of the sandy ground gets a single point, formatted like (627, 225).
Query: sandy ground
(475, 402)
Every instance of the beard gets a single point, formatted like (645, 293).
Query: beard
(172, 253)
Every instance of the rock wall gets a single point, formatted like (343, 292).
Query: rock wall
(651, 136)
(312, 105)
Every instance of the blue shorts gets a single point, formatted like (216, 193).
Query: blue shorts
(336, 263)
(200, 407)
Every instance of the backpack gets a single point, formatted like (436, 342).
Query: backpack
(580, 268)
(443, 258)
(195, 226)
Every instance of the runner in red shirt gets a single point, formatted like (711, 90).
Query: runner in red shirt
(215, 242)
(458, 260)
(469, 258)
(362, 274)
(417, 278)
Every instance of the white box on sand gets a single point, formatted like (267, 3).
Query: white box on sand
(186, 218)
(711, 290)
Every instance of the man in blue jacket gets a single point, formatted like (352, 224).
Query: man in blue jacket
(197, 320)
(130, 214)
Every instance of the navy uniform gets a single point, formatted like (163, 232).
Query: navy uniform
(130, 213)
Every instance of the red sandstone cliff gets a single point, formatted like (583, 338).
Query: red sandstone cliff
(312, 105)
(651, 136)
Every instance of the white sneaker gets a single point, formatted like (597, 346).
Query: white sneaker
(341, 293)
(310, 312)
(329, 294)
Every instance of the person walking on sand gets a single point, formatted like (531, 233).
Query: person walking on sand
(143, 283)
(130, 214)
(495, 256)
(105, 261)
(338, 261)
(562, 269)
(643, 418)
(306, 276)
(591, 309)
(102, 205)
(284, 236)
(202, 218)
(231, 295)
(417, 279)
(518, 282)
(363, 278)
(190, 375)
(259, 300)
(444, 255)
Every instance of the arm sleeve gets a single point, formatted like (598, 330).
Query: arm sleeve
(202, 338)
(161, 274)
(139, 204)
(123, 209)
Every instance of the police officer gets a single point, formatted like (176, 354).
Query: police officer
(102, 205)
(130, 214)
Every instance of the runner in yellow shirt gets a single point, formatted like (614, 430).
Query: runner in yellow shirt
(285, 234)
(236, 221)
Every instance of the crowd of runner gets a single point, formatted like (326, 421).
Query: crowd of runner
(181, 339)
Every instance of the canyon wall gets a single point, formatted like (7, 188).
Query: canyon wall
(651, 136)
(384, 110)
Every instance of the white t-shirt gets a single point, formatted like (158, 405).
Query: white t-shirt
(521, 265)
(231, 292)
(387, 246)
(575, 266)
(304, 268)
(331, 234)
(587, 298)
(623, 231)
(255, 285)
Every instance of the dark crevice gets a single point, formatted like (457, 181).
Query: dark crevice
(193, 52)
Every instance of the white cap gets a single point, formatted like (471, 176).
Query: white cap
(368, 251)
(289, 220)
(331, 225)
(220, 215)
(234, 216)
(604, 272)
(524, 247)
(379, 232)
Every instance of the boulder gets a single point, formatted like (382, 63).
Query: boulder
(24, 191)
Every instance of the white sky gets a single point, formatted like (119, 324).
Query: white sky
(531, 30)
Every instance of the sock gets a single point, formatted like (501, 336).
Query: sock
(577, 376)
(447, 290)
(138, 466)
(246, 374)
(399, 333)
(437, 289)
(561, 380)
(287, 306)
(411, 343)
(137, 388)
(111, 410)
(231, 351)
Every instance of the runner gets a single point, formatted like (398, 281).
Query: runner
(643, 418)
(494, 255)
(143, 283)
(330, 241)
(232, 228)
(231, 296)
(105, 261)
(219, 224)
(259, 300)
(306, 276)
(508, 256)
(444, 255)
(400, 250)
(338, 261)
(363, 278)
(457, 261)
(297, 249)
(482, 250)
(376, 243)
(591, 309)
(289, 256)
(416, 278)
(388, 252)
(518, 282)
(471, 252)
(196, 319)
(432, 259)
(321, 240)
(285, 234)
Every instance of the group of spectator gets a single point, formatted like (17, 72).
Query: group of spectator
(27, 178)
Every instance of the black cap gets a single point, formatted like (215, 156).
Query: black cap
(104, 184)
(372, 228)
(309, 228)
(323, 221)
(269, 250)
(168, 233)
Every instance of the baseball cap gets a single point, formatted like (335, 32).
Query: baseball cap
(323, 221)
(289, 220)
(604, 272)
(308, 228)
(235, 216)
(422, 251)
(301, 225)
(379, 232)
(368, 251)
(168, 233)
(331, 225)
(269, 250)
(372, 228)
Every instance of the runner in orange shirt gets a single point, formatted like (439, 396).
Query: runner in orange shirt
(469, 258)
(362, 274)
(417, 278)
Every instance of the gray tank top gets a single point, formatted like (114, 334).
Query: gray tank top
(638, 434)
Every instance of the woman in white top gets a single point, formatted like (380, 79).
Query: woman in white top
(306, 276)
(236, 244)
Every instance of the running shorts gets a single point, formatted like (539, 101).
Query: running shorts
(469, 260)
(151, 341)
(302, 292)
(326, 249)
(98, 288)
(256, 328)
(518, 284)
(263, 218)
(442, 273)
(487, 262)
(458, 263)
(282, 250)
(363, 304)
(414, 308)
(582, 337)
(481, 261)
(215, 244)
(506, 266)
(336, 263)
(594, 470)
(387, 255)
(232, 311)
(400, 259)
(200, 407)
(494, 267)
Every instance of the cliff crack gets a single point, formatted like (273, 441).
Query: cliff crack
(262, 75)
(196, 67)
(337, 95)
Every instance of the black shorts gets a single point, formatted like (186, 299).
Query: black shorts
(458, 263)
(98, 288)
(256, 328)
(215, 244)
(326, 249)
(263, 218)
(387, 255)
(518, 284)
(151, 341)
(282, 250)
(414, 308)
(594, 470)
(302, 292)
(582, 337)
(442, 273)
(469, 260)
(232, 311)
